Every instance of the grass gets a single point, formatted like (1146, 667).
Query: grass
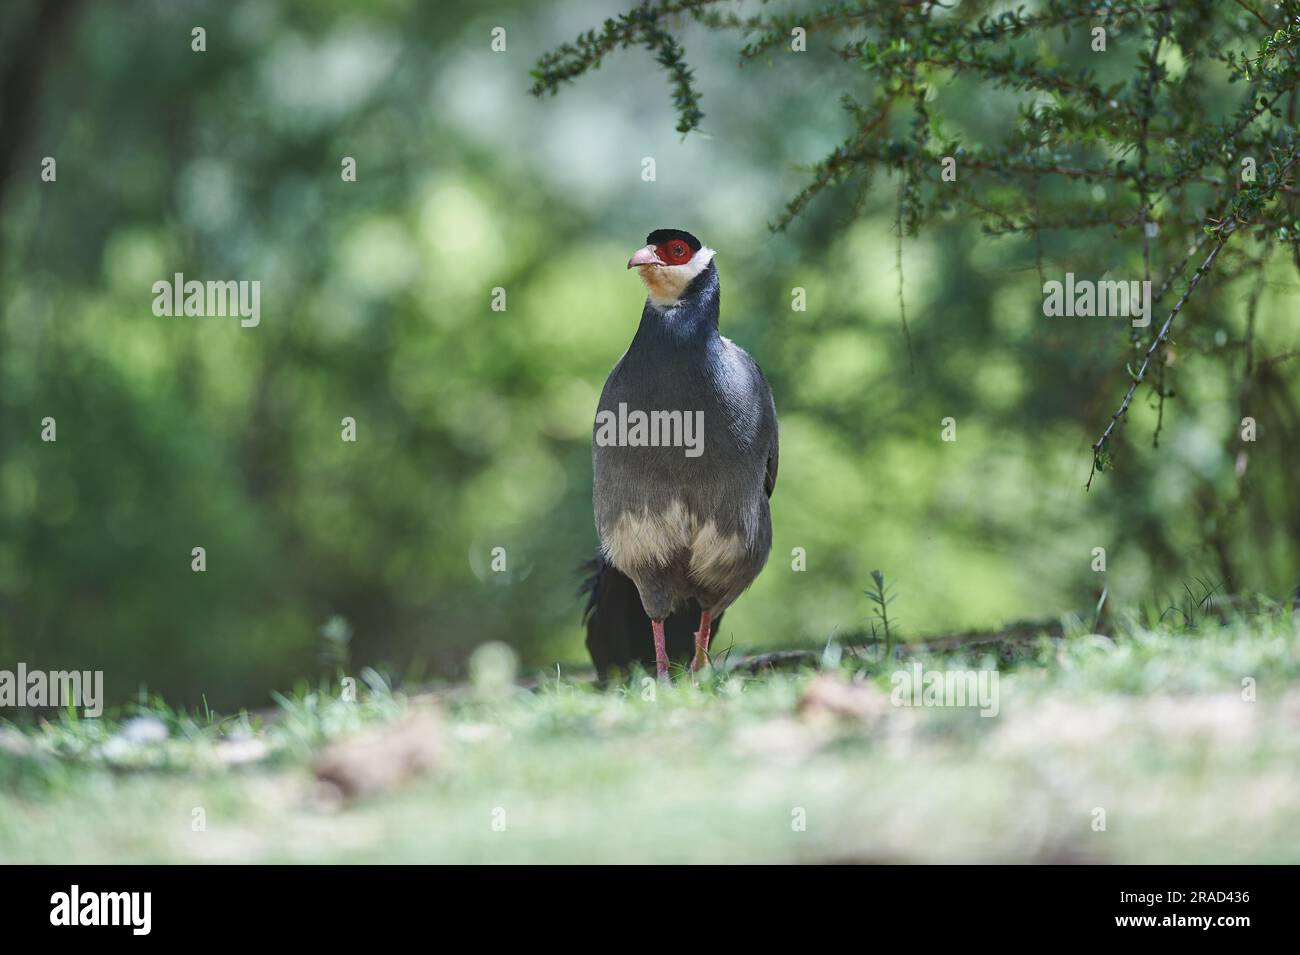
(1151, 726)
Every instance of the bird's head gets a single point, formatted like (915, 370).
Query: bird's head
(668, 263)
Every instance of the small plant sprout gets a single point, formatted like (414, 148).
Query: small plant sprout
(880, 596)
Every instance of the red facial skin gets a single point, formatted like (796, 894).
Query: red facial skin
(674, 252)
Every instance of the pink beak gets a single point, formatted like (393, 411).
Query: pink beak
(644, 256)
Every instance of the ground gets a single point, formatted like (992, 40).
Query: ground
(1155, 744)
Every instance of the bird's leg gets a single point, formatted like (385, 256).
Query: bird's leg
(661, 649)
(702, 641)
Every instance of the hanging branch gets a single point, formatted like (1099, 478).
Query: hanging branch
(640, 26)
(1228, 224)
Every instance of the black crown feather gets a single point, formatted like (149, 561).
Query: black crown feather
(660, 236)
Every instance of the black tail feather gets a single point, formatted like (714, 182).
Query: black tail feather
(618, 630)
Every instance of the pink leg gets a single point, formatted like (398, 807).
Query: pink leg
(702, 641)
(661, 649)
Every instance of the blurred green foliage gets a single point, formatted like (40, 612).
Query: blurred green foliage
(473, 426)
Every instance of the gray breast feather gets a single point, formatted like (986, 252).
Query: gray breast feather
(683, 526)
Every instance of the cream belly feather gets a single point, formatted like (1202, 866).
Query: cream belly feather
(656, 540)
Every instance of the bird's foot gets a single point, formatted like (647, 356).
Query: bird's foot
(661, 651)
(702, 642)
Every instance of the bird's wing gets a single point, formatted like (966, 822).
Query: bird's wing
(773, 459)
(763, 392)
